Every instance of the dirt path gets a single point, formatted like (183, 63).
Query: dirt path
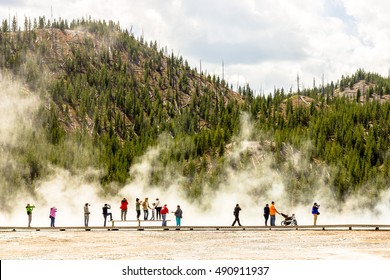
(173, 245)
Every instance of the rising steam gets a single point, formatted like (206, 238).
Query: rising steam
(251, 183)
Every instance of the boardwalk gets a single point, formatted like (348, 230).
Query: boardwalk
(366, 227)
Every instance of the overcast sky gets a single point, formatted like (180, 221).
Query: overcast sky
(265, 43)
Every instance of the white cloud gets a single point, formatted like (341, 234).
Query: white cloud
(264, 42)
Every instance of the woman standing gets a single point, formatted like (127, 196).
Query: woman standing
(53, 212)
(153, 210)
(179, 215)
(138, 207)
(145, 207)
(86, 214)
(315, 212)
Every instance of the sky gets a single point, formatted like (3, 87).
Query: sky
(263, 43)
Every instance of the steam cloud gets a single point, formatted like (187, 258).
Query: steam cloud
(252, 185)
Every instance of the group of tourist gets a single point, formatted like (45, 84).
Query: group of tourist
(159, 212)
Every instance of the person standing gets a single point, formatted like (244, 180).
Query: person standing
(86, 214)
(179, 215)
(52, 216)
(272, 213)
(29, 209)
(164, 212)
(138, 207)
(315, 212)
(106, 207)
(153, 208)
(124, 209)
(236, 214)
(266, 214)
(145, 207)
(158, 209)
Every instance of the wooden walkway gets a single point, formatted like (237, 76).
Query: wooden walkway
(344, 227)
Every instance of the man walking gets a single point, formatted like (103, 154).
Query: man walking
(236, 214)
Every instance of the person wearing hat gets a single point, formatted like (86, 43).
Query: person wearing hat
(315, 212)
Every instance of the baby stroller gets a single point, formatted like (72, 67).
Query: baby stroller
(289, 220)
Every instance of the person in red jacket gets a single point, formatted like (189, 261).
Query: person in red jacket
(124, 209)
(164, 212)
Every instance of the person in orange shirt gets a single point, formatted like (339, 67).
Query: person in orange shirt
(272, 213)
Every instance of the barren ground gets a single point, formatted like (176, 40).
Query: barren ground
(195, 245)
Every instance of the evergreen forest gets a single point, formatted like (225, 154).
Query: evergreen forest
(107, 98)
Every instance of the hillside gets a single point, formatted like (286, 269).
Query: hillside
(147, 73)
(363, 91)
(109, 101)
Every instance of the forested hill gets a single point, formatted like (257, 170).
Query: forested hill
(108, 97)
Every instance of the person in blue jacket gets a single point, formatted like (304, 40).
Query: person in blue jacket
(315, 212)
(106, 207)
